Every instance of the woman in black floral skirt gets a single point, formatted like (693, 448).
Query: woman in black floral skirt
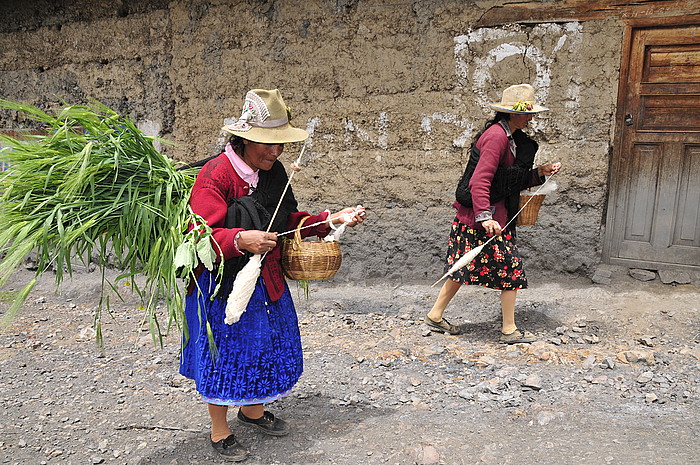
(496, 173)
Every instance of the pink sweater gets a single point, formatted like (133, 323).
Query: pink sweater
(495, 151)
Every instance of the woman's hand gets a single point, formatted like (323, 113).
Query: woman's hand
(258, 242)
(548, 170)
(492, 227)
(350, 216)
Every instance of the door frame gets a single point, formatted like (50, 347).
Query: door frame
(614, 163)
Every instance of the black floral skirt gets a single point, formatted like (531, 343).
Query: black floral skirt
(498, 266)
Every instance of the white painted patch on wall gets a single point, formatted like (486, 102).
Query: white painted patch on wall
(381, 137)
(152, 129)
(474, 73)
(449, 118)
(311, 126)
(573, 92)
(383, 129)
(223, 135)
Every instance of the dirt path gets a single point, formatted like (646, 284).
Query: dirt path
(614, 380)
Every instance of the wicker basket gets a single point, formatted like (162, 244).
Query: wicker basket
(308, 260)
(528, 216)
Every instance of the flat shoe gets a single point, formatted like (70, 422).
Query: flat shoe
(442, 326)
(230, 449)
(517, 337)
(268, 424)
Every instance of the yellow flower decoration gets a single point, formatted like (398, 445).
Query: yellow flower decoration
(522, 106)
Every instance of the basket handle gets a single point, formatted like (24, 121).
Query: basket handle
(297, 234)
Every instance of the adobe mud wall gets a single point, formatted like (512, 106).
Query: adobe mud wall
(392, 93)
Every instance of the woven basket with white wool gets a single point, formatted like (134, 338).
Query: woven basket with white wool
(310, 259)
(528, 215)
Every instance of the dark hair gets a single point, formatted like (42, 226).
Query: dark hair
(237, 144)
(499, 116)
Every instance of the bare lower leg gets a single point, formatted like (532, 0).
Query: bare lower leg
(447, 292)
(219, 425)
(508, 311)
(253, 411)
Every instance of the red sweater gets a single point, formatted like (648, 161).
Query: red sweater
(214, 189)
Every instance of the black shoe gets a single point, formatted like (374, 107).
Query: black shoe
(230, 449)
(268, 424)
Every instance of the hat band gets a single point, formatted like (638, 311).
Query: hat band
(270, 123)
(243, 125)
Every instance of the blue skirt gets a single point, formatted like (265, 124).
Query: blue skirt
(256, 360)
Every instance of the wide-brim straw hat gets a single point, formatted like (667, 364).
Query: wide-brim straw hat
(265, 119)
(519, 98)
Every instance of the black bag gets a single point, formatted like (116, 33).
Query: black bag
(462, 193)
(508, 180)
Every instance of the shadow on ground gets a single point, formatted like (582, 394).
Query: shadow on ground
(538, 320)
(312, 420)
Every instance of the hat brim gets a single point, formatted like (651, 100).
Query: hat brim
(503, 109)
(284, 134)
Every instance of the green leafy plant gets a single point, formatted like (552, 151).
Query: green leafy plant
(94, 185)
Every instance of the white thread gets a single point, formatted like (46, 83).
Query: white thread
(352, 215)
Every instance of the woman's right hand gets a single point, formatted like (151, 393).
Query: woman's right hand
(351, 216)
(492, 227)
(258, 242)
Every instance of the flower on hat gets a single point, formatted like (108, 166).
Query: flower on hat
(254, 109)
(521, 105)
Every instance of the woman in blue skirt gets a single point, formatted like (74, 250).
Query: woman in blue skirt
(257, 359)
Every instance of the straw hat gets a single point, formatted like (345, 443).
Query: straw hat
(518, 99)
(265, 119)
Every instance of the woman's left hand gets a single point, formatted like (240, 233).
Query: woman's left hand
(350, 216)
(548, 170)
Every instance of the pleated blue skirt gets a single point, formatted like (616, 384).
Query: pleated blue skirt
(255, 360)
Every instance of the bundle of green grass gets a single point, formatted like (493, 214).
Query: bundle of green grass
(93, 187)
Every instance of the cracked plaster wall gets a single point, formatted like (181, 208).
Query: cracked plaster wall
(391, 92)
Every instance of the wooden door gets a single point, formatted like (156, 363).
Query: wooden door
(653, 217)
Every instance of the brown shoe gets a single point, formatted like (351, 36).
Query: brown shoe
(442, 326)
(517, 337)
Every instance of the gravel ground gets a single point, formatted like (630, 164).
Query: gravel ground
(614, 379)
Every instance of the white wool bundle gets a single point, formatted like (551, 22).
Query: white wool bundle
(464, 260)
(243, 287)
(335, 235)
(347, 218)
(548, 187)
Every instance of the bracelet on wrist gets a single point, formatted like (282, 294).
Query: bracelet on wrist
(330, 221)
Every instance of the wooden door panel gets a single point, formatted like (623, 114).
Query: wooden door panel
(669, 112)
(663, 210)
(672, 64)
(663, 205)
(687, 230)
(642, 192)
